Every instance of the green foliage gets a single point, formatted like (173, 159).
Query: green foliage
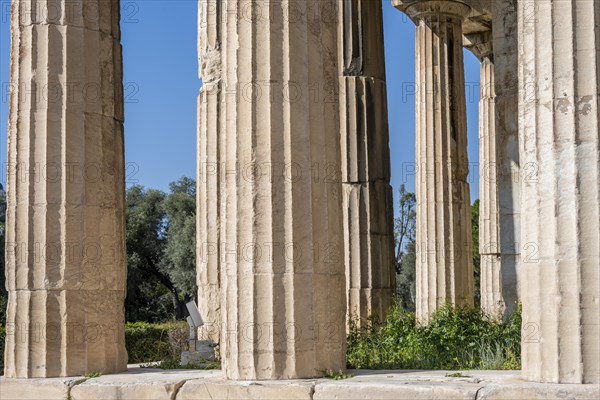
(3, 300)
(406, 287)
(455, 338)
(180, 251)
(2, 337)
(339, 376)
(405, 242)
(405, 224)
(457, 375)
(160, 345)
(149, 294)
(91, 375)
(161, 251)
(147, 342)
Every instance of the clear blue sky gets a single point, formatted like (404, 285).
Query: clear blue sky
(161, 85)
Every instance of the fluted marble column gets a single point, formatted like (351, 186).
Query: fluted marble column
(283, 279)
(66, 265)
(208, 204)
(492, 301)
(505, 39)
(558, 109)
(367, 194)
(444, 248)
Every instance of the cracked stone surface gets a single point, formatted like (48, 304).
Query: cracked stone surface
(210, 157)
(154, 384)
(560, 213)
(366, 191)
(65, 254)
(65, 307)
(282, 276)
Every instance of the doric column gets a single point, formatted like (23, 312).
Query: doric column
(504, 32)
(282, 279)
(444, 249)
(66, 265)
(499, 161)
(367, 194)
(490, 278)
(490, 282)
(560, 154)
(208, 204)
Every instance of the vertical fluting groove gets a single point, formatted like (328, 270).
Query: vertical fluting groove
(444, 263)
(277, 324)
(492, 300)
(367, 194)
(65, 226)
(560, 206)
(209, 246)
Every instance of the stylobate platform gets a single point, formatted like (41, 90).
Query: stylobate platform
(155, 384)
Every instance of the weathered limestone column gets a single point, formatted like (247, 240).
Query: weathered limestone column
(558, 108)
(208, 202)
(283, 278)
(367, 194)
(505, 35)
(66, 265)
(444, 249)
(492, 301)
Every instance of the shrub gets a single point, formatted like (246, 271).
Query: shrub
(145, 342)
(455, 338)
(155, 342)
(2, 337)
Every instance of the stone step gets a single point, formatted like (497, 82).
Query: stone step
(155, 384)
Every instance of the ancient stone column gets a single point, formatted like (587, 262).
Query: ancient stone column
(283, 290)
(499, 161)
(490, 278)
(490, 282)
(66, 265)
(209, 161)
(504, 32)
(367, 194)
(444, 249)
(558, 109)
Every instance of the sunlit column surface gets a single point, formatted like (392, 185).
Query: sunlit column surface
(65, 265)
(283, 280)
(210, 160)
(492, 301)
(444, 248)
(558, 109)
